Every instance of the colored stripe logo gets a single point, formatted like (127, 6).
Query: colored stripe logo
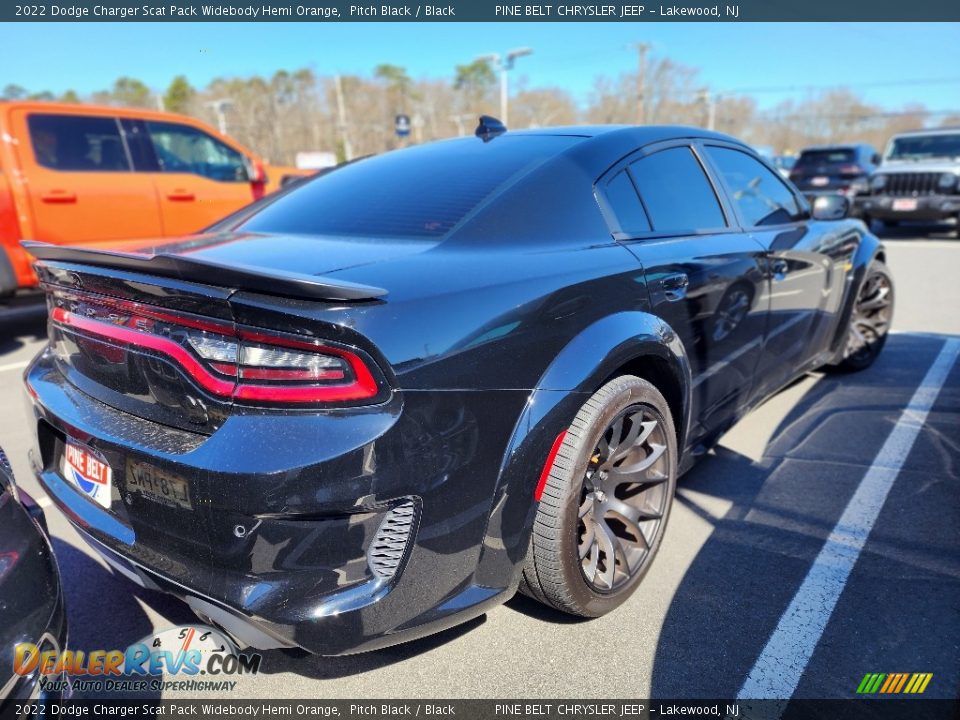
(894, 683)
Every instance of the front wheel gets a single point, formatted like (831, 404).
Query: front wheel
(870, 319)
(606, 502)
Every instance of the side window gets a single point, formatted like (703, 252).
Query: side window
(760, 196)
(183, 149)
(676, 192)
(625, 204)
(77, 143)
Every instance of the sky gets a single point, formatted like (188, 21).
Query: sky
(891, 64)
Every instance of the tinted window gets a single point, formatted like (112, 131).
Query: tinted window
(421, 192)
(183, 149)
(812, 158)
(759, 194)
(919, 147)
(76, 142)
(676, 192)
(625, 204)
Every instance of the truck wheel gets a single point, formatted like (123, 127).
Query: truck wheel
(606, 502)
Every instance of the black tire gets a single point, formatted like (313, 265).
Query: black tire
(870, 320)
(554, 570)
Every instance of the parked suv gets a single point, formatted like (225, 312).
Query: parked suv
(918, 180)
(834, 169)
(78, 173)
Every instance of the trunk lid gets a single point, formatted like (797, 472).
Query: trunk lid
(149, 329)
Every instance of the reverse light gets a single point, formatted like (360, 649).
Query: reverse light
(226, 361)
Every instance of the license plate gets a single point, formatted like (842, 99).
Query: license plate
(89, 472)
(820, 181)
(158, 485)
(905, 204)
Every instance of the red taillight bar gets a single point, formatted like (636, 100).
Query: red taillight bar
(364, 386)
(125, 335)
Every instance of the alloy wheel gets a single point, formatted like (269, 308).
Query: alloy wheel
(623, 498)
(871, 317)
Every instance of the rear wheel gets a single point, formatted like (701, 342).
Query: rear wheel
(606, 502)
(870, 319)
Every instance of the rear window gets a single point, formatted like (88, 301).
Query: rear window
(825, 157)
(77, 143)
(423, 192)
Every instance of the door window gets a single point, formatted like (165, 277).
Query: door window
(760, 196)
(183, 149)
(77, 143)
(676, 192)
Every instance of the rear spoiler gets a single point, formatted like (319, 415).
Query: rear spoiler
(184, 267)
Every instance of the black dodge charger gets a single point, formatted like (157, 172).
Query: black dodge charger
(380, 403)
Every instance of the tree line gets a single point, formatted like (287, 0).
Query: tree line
(353, 115)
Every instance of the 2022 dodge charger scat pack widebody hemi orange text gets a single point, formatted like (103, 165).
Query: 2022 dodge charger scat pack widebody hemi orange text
(381, 402)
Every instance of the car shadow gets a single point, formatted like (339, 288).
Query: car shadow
(781, 509)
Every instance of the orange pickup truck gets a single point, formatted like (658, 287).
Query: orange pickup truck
(80, 173)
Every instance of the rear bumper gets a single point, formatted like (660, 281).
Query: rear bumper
(287, 511)
(929, 207)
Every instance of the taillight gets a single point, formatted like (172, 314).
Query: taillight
(226, 361)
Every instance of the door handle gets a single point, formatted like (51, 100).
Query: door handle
(181, 196)
(779, 269)
(59, 197)
(675, 286)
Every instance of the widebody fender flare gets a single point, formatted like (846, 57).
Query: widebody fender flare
(581, 367)
(869, 249)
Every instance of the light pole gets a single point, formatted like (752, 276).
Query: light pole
(505, 64)
(220, 107)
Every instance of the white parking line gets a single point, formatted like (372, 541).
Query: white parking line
(14, 366)
(777, 671)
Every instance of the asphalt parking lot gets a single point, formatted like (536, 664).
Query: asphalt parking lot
(748, 525)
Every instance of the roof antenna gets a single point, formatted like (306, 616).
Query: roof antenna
(489, 128)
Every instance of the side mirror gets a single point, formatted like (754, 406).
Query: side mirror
(254, 170)
(830, 207)
(875, 159)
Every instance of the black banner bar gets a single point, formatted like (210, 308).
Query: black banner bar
(634, 11)
(852, 709)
